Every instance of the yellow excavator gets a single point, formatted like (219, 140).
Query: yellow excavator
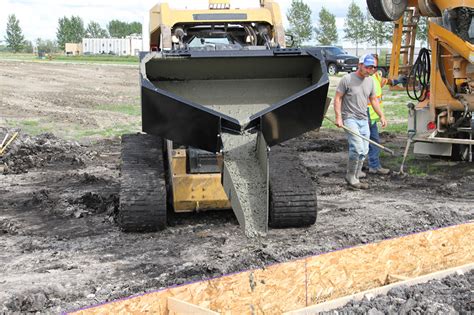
(441, 80)
(214, 76)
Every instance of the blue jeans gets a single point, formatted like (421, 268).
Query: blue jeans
(374, 152)
(358, 148)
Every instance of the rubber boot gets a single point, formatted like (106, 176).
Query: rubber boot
(360, 173)
(379, 171)
(360, 163)
(351, 178)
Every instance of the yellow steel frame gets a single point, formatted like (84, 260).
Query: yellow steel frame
(444, 4)
(195, 192)
(452, 50)
(396, 45)
(163, 18)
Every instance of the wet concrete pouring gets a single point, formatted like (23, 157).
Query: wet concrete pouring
(61, 248)
(242, 164)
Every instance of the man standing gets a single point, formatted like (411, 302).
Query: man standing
(375, 167)
(350, 106)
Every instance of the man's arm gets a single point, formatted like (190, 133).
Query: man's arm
(337, 108)
(376, 106)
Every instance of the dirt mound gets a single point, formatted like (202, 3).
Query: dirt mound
(37, 300)
(87, 204)
(28, 152)
(451, 295)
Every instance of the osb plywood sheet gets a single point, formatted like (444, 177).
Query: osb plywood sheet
(340, 302)
(294, 285)
(360, 268)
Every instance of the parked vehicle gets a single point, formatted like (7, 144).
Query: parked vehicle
(338, 60)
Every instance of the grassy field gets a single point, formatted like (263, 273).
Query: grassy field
(107, 59)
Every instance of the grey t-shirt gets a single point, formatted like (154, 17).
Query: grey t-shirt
(356, 93)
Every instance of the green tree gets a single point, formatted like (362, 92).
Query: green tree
(70, 30)
(118, 29)
(14, 38)
(135, 28)
(95, 31)
(77, 29)
(422, 30)
(27, 47)
(326, 31)
(299, 17)
(355, 25)
(378, 33)
(46, 46)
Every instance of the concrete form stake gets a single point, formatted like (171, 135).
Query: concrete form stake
(3, 148)
(4, 140)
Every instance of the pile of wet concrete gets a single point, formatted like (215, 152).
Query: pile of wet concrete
(451, 295)
(27, 152)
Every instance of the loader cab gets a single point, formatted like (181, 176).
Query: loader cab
(222, 36)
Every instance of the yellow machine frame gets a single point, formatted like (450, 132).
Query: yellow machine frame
(163, 18)
(195, 192)
(455, 55)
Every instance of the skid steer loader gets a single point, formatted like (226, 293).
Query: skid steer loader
(218, 90)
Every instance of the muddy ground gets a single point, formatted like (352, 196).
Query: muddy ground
(61, 248)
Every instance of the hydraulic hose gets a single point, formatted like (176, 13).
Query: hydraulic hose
(419, 76)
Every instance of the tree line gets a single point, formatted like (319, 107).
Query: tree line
(359, 27)
(69, 30)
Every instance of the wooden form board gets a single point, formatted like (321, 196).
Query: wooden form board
(340, 302)
(294, 285)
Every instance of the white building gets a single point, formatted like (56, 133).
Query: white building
(128, 46)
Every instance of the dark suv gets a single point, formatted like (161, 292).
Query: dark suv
(337, 59)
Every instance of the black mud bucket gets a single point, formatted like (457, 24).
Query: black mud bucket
(191, 97)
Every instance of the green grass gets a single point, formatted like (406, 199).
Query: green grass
(75, 132)
(31, 126)
(115, 131)
(73, 59)
(414, 165)
(98, 58)
(132, 110)
(396, 128)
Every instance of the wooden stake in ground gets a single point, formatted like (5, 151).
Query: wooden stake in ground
(3, 148)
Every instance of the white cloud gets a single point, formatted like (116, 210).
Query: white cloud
(39, 19)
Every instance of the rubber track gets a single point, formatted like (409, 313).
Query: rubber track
(143, 187)
(292, 193)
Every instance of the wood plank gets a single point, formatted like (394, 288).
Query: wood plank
(178, 307)
(360, 268)
(337, 303)
(297, 284)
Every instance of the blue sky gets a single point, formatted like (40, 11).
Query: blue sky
(39, 19)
